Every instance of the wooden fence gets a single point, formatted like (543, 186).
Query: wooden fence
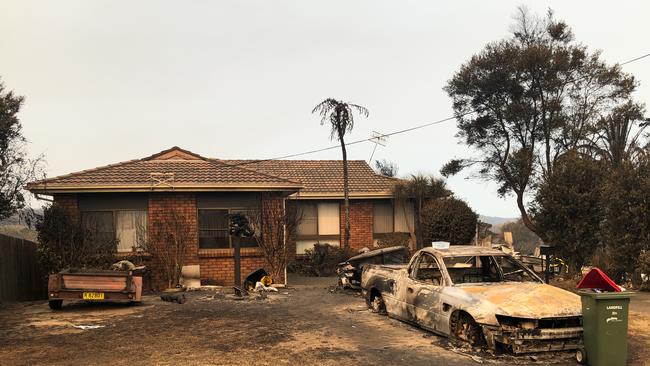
(20, 276)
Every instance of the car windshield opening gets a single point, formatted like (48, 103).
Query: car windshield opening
(486, 269)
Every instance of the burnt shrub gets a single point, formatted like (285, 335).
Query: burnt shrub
(65, 243)
(321, 261)
(393, 240)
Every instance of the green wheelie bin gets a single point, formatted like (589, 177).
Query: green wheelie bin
(604, 321)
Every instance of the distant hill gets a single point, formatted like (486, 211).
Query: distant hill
(496, 221)
(16, 226)
(17, 218)
(19, 231)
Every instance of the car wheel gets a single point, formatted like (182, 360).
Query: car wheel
(377, 305)
(464, 328)
(55, 304)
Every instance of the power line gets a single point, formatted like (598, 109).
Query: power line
(352, 142)
(635, 59)
(390, 133)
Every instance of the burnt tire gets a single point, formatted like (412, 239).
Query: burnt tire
(55, 304)
(464, 328)
(377, 304)
(249, 286)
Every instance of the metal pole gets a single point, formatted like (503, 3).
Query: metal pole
(548, 267)
(237, 265)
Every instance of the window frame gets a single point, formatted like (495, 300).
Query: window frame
(230, 210)
(319, 238)
(379, 236)
(114, 224)
(376, 235)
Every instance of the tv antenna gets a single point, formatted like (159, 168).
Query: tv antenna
(378, 139)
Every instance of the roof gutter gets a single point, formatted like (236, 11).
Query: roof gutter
(107, 189)
(339, 196)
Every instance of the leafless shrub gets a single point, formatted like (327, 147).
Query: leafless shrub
(168, 244)
(273, 224)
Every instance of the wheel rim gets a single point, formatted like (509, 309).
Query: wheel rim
(377, 304)
(465, 329)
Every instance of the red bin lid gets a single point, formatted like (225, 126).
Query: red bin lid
(598, 279)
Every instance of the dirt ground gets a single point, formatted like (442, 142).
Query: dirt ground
(309, 323)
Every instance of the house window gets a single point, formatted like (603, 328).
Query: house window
(383, 218)
(391, 219)
(127, 227)
(404, 217)
(320, 223)
(214, 232)
(130, 229)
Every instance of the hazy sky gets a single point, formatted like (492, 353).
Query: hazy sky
(107, 81)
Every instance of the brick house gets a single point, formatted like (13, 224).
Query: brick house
(128, 200)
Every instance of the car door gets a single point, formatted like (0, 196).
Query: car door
(423, 293)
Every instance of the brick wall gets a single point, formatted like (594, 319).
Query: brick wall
(164, 208)
(361, 222)
(217, 265)
(69, 202)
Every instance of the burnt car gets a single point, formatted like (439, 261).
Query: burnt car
(349, 272)
(479, 295)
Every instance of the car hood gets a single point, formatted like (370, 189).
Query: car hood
(523, 300)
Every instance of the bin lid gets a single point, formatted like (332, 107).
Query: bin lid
(598, 279)
(608, 295)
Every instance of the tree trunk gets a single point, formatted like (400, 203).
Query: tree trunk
(418, 225)
(526, 219)
(346, 195)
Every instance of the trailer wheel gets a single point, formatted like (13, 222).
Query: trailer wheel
(581, 356)
(55, 304)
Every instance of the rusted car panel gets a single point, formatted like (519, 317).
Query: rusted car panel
(349, 272)
(510, 305)
(94, 285)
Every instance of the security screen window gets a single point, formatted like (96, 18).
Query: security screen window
(319, 224)
(214, 229)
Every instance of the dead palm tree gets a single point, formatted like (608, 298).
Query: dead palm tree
(340, 116)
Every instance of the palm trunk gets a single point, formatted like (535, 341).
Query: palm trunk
(346, 194)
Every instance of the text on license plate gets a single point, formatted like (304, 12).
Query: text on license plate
(93, 296)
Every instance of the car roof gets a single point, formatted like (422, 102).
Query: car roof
(377, 252)
(463, 250)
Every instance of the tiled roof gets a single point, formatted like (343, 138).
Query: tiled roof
(188, 170)
(323, 175)
(192, 171)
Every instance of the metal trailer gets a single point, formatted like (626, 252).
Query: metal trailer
(93, 285)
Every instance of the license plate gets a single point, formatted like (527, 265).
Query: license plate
(93, 296)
